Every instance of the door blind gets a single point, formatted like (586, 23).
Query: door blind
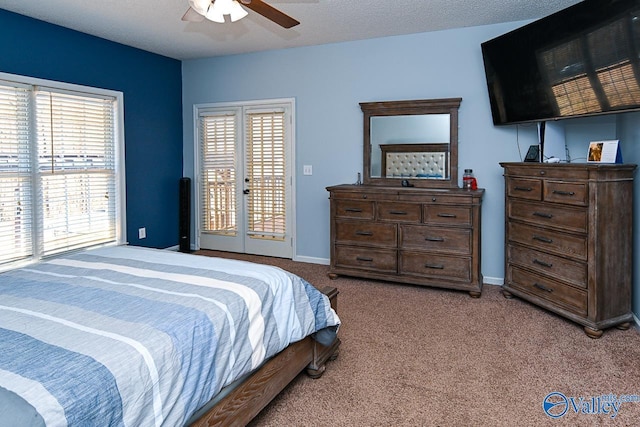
(16, 208)
(265, 165)
(76, 165)
(218, 172)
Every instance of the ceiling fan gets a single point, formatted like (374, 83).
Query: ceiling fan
(215, 10)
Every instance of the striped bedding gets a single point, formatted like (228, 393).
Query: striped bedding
(126, 336)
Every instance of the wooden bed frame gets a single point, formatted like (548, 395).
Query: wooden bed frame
(251, 396)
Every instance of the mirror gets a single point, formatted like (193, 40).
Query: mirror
(411, 142)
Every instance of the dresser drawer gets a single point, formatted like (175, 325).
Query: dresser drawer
(366, 232)
(446, 215)
(435, 266)
(574, 272)
(548, 215)
(548, 240)
(558, 293)
(439, 239)
(400, 212)
(553, 171)
(464, 198)
(566, 192)
(380, 260)
(357, 193)
(524, 188)
(354, 209)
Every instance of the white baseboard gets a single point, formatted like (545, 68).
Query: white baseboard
(499, 281)
(311, 260)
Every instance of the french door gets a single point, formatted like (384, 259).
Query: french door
(245, 180)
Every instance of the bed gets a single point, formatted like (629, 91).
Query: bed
(144, 337)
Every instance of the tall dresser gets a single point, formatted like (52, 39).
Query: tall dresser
(422, 236)
(568, 240)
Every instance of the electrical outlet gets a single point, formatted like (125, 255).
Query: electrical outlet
(307, 170)
(142, 233)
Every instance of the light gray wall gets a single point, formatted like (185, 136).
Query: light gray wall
(330, 81)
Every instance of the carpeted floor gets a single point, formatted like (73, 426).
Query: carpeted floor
(415, 356)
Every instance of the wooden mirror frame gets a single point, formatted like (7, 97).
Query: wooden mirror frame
(413, 107)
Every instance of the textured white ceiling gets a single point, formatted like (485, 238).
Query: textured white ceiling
(156, 25)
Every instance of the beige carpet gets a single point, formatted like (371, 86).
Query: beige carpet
(415, 356)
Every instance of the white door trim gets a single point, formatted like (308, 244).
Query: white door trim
(197, 108)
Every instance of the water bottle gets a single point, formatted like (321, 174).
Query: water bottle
(469, 181)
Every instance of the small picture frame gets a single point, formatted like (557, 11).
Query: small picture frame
(604, 152)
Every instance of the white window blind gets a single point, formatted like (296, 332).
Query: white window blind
(218, 171)
(76, 170)
(58, 177)
(266, 169)
(15, 175)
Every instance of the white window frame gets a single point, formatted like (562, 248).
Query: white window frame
(120, 226)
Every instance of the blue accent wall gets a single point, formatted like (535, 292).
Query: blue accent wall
(152, 105)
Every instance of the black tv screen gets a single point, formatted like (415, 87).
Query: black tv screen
(580, 61)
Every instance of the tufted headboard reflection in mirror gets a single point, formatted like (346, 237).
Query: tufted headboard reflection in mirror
(413, 140)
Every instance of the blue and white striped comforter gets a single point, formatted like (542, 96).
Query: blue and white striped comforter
(127, 336)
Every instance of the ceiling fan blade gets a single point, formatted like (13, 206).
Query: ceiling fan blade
(270, 12)
(192, 16)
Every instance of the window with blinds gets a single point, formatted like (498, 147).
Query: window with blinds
(218, 171)
(265, 163)
(58, 171)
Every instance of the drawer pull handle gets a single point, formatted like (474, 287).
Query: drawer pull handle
(523, 188)
(542, 263)
(542, 288)
(353, 210)
(564, 193)
(446, 215)
(435, 266)
(397, 212)
(434, 239)
(542, 239)
(543, 215)
(364, 259)
(364, 233)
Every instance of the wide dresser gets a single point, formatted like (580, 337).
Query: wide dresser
(568, 240)
(421, 236)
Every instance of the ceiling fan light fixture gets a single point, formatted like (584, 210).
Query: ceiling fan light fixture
(225, 7)
(215, 10)
(237, 11)
(214, 14)
(200, 6)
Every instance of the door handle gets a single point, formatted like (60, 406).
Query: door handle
(246, 191)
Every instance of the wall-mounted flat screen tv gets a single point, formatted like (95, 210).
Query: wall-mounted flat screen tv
(581, 61)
